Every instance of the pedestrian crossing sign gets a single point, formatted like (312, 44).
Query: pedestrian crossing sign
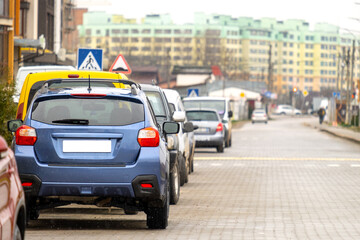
(90, 59)
(193, 92)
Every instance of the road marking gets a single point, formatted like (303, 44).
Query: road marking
(355, 165)
(216, 164)
(333, 165)
(277, 158)
(238, 165)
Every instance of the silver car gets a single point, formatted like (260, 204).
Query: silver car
(259, 115)
(210, 131)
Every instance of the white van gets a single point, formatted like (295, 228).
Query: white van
(222, 106)
(24, 71)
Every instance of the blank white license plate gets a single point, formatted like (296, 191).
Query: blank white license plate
(202, 130)
(87, 146)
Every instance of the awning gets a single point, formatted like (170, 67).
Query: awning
(34, 43)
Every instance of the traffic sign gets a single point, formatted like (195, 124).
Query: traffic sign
(193, 92)
(120, 65)
(90, 59)
(268, 94)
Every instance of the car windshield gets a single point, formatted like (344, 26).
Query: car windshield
(219, 105)
(87, 111)
(201, 116)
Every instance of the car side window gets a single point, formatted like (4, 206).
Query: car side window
(152, 114)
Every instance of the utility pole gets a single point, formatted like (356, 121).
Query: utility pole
(351, 88)
(338, 74)
(168, 67)
(270, 71)
(342, 74)
(347, 117)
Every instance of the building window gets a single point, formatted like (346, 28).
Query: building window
(88, 32)
(146, 40)
(146, 31)
(4, 8)
(115, 31)
(167, 31)
(158, 31)
(115, 40)
(135, 31)
(187, 40)
(146, 49)
(134, 40)
(3, 46)
(98, 31)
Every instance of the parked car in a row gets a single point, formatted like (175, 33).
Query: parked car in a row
(259, 115)
(186, 132)
(210, 131)
(222, 107)
(178, 144)
(286, 110)
(12, 197)
(92, 141)
(24, 71)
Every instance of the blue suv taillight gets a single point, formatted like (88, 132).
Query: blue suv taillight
(25, 135)
(148, 137)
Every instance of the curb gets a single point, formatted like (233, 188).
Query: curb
(324, 129)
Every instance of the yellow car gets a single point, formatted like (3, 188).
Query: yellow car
(35, 81)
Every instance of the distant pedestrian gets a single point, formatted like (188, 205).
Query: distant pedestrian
(321, 114)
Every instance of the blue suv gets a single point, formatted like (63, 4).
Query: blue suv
(100, 146)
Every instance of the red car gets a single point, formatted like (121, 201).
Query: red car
(12, 196)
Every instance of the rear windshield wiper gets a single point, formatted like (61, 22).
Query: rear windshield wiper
(72, 121)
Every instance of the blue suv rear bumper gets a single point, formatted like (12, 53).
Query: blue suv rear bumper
(102, 181)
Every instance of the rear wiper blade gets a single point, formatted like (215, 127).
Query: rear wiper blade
(72, 121)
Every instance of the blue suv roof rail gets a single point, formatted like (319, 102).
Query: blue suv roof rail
(135, 87)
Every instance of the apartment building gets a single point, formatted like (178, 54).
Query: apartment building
(244, 48)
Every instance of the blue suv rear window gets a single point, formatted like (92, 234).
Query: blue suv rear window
(89, 111)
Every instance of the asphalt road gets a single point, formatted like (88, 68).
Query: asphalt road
(282, 180)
